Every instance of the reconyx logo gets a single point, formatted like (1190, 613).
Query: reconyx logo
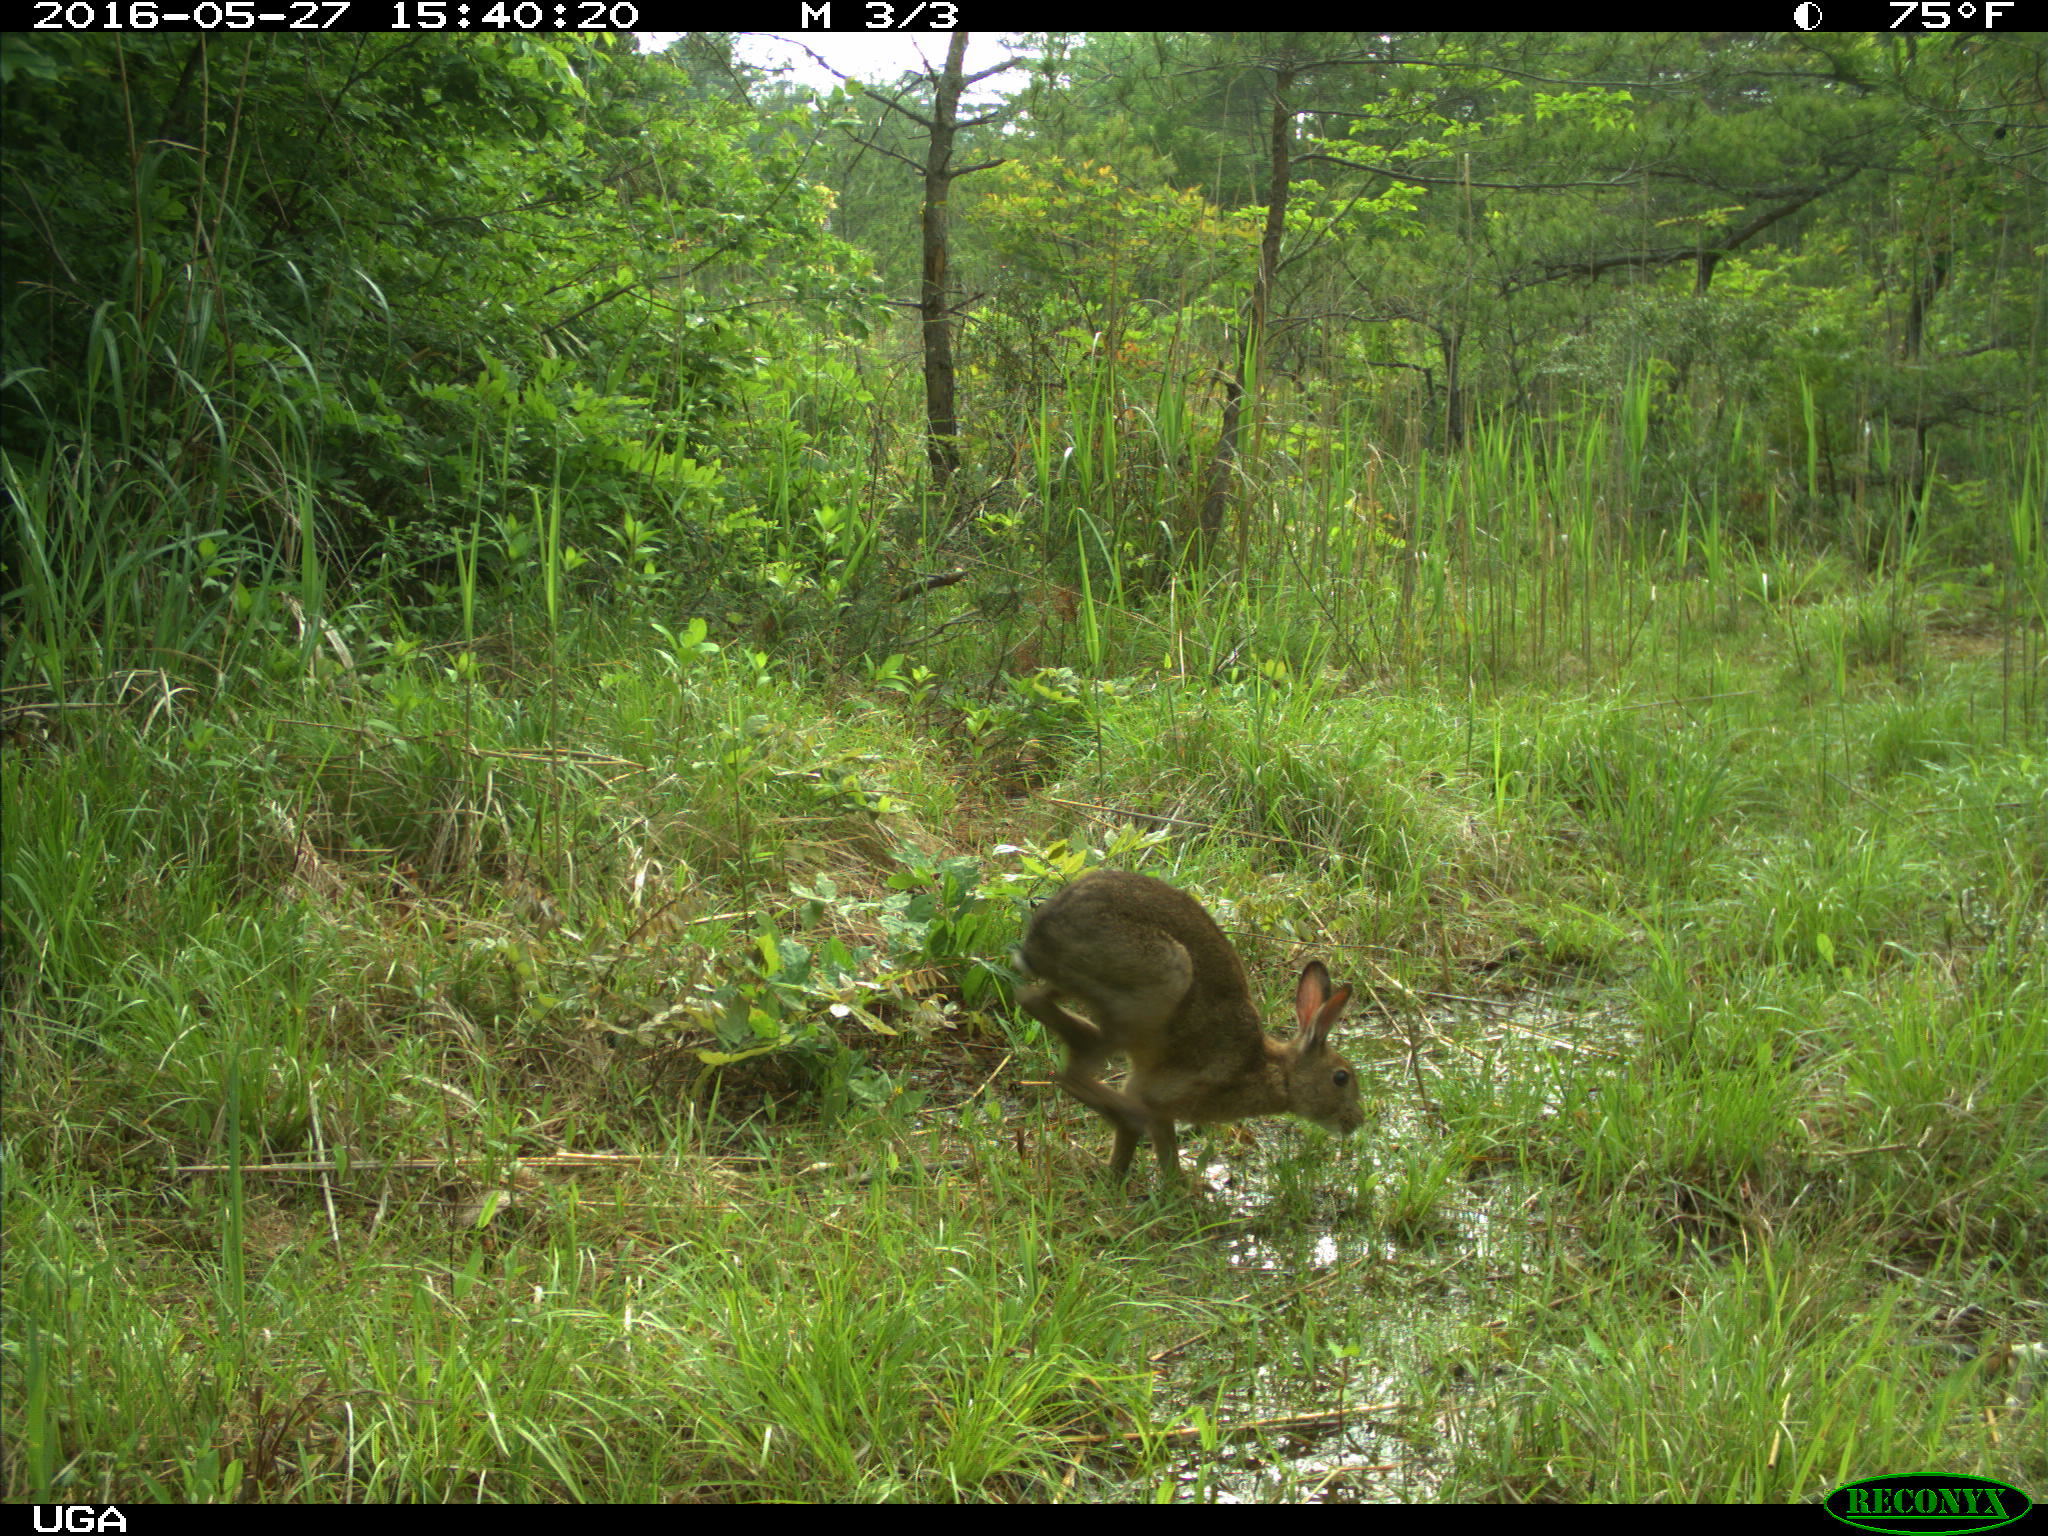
(1930, 1504)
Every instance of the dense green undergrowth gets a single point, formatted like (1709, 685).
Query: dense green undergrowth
(589, 1075)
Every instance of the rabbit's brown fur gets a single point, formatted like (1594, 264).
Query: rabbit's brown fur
(1168, 991)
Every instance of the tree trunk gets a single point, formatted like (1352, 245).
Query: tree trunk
(1243, 380)
(942, 419)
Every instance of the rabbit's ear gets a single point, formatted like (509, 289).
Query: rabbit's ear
(1316, 1006)
(1310, 991)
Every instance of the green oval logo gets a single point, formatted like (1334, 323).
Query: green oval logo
(1933, 1503)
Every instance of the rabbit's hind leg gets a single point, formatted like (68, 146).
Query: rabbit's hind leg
(1088, 1052)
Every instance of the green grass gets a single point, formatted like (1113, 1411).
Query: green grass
(1694, 905)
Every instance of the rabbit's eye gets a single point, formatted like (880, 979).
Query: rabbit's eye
(1340, 1078)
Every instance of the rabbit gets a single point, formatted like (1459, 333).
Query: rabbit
(1168, 991)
